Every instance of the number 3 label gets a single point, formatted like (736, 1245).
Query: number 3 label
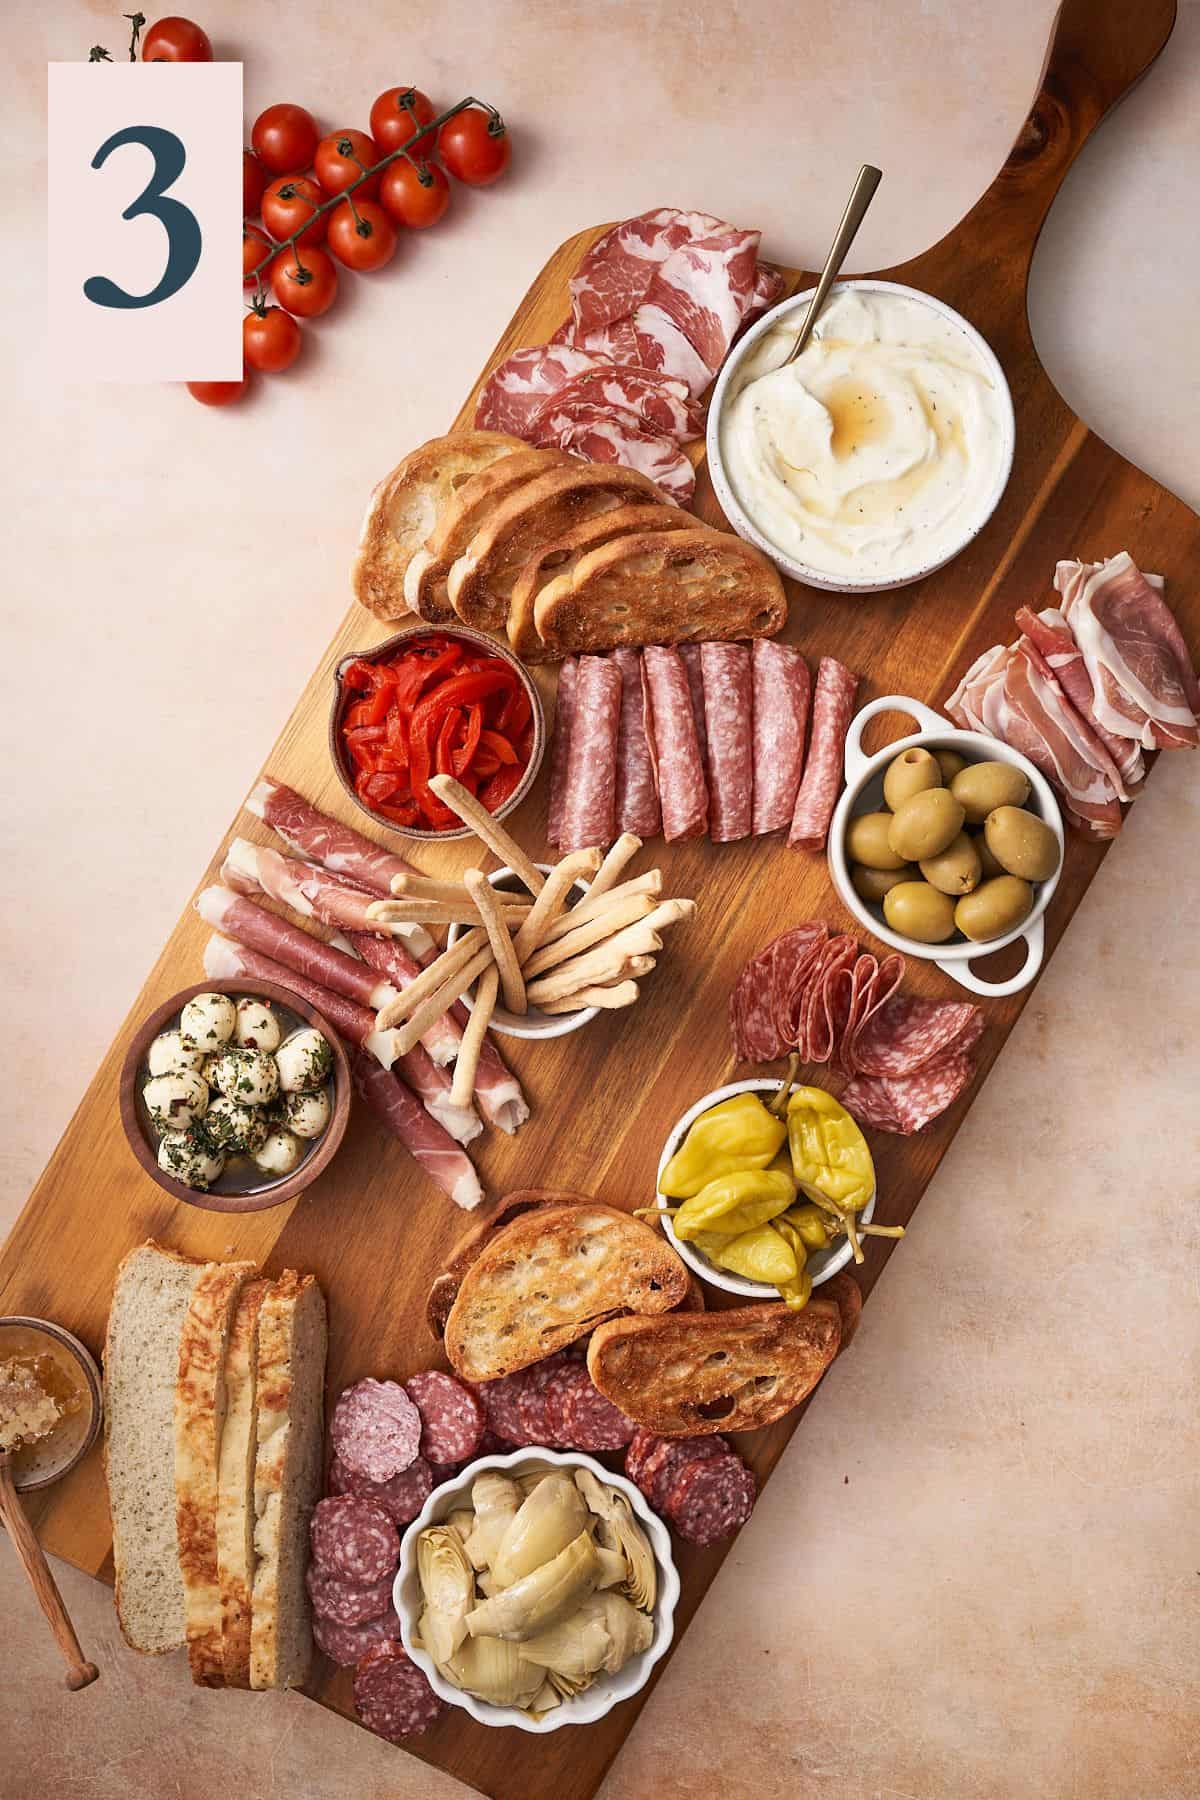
(144, 163)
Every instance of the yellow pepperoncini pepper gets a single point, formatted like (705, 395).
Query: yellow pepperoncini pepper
(798, 1291)
(738, 1133)
(760, 1255)
(811, 1224)
(735, 1203)
(830, 1157)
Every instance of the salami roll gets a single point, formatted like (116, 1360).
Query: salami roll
(782, 686)
(564, 719)
(391, 1695)
(354, 1539)
(674, 745)
(401, 1498)
(833, 707)
(376, 1429)
(452, 1417)
(695, 674)
(346, 1602)
(728, 713)
(590, 796)
(594, 1423)
(346, 1645)
(711, 1498)
(637, 807)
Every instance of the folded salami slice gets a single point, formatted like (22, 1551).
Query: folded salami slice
(909, 1033)
(908, 1103)
(795, 958)
(766, 1000)
(782, 686)
(695, 674)
(728, 715)
(401, 1498)
(822, 1018)
(589, 800)
(833, 707)
(674, 747)
(564, 719)
(637, 807)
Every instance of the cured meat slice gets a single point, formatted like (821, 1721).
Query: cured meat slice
(429, 1143)
(637, 807)
(823, 1017)
(592, 1422)
(354, 1539)
(1143, 683)
(531, 1400)
(324, 839)
(659, 402)
(1049, 632)
(908, 1103)
(391, 1695)
(705, 288)
(833, 705)
(401, 1498)
(305, 955)
(346, 1602)
(728, 714)
(674, 748)
(659, 343)
(313, 893)
(452, 1417)
(782, 686)
(389, 958)
(501, 1399)
(695, 674)
(376, 1429)
(878, 986)
(765, 1002)
(348, 1644)
(618, 269)
(497, 1090)
(909, 1032)
(660, 1460)
(768, 289)
(711, 1498)
(226, 961)
(564, 720)
(791, 961)
(563, 1382)
(514, 394)
(607, 434)
(589, 801)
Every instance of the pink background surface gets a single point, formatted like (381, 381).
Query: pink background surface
(974, 1575)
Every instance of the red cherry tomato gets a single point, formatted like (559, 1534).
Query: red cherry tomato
(270, 340)
(288, 202)
(411, 200)
(254, 180)
(254, 247)
(336, 168)
(304, 285)
(285, 136)
(216, 393)
(365, 242)
(393, 123)
(472, 150)
(176, 40)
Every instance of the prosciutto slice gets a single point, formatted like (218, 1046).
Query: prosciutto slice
(309, 956)
(225, 960)
(659, 403)
(1050, 634)
(325, 840)
(705, 288)
(399, 1110)
(515, 393)
(613, 434)
(1143, 683)
(618, 269)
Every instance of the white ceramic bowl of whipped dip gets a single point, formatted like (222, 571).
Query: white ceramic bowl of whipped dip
(877, 455)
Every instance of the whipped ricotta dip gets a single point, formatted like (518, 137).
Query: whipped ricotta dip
(880, 451)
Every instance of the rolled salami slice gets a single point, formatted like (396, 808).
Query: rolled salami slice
(348, 1644)
(637, 807)
(589, 803)
(674, 747)
(833, 707)
(782, 686)
(391, 1695)
(728, 714)
(695, 674)
(452, 1417)
(401, 1498)
(354, 1539)
(376, 1429)
(346, 1602)
(564, 720)
(711, 1498)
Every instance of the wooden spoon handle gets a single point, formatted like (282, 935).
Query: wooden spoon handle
(80, 1674)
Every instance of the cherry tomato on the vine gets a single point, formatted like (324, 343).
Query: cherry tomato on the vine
(254, 247)
(336, 168)
(285, 137)
(411, 200)
(271, 340)
(216, 393)
(365, 242)
(393, 124)
(288, 202)
(305, 284)
(176, 40)
(472, 150)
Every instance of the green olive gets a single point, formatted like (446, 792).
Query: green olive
(873, 884)
(949, 762)
(957, 870)
(995, 907)
(987, 861)
(911, 773)
(983, 786)
(867, 842)
(926, 825)
(1021, 843)
(916, 910)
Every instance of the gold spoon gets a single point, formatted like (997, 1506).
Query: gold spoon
(861, 197)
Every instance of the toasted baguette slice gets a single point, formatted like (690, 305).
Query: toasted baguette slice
(405, 509)
(548, 1278)
(723, 1371)
(558, 559)
(425, 576)
(199, 1426)
(662, 588)
(151, 1296)
(480, 584)
(290, 1433)
(444, 1290)
(235, 1485)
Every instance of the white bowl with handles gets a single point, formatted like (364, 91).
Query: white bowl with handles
(864, 793)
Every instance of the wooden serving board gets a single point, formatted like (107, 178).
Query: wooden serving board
(604, 1099)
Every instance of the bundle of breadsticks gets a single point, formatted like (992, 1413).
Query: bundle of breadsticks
(538, 950)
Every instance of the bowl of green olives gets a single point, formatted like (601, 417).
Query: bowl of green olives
(946, 845)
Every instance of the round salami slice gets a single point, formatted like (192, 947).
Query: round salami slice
(344, 1602)
(561, 1385)
(664, 1464)
(500, 1399)
(348, 1644)
(711, 1498)
(376, 1429)
(594, 1423)
(392, 1697)
(641, 1445)
(354, 1538)
(452, 1418)
(729, 720)
(531, 1404)
(401, 1498)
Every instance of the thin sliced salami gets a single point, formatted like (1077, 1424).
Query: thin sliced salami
(593, 1423)
(452, 1418)
(695, 674)
(401, 1498)
(376, 1429)
(821, 1018)
(354, 1539)
(710, 1499)
(674, 746)
(782, 687)
(911, 1032)
(346, 1602)
(833, 706)
(888, 975)
(346, 1645)
(500, 1399)
(794, 960)
(564, 721)
(637, 807)
(908, 1103)
(728, 714)
(589, 801)
(670, 1456)
(559, 1388)
(391, 1695)
(531, 1401)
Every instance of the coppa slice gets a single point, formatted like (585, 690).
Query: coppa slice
(557, 561)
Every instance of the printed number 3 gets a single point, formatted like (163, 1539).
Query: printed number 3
(178, 221)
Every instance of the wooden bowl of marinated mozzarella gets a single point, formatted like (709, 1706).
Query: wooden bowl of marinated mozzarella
(235, 1095)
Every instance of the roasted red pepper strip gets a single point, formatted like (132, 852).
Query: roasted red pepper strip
(470, 740)
(485, 764)
(464, 690)
(499, 745)
(364, 677)
(502, 786)
(397, 733)
(444, 755)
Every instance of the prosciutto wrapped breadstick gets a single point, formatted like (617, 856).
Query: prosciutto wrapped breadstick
(258, 929)
(313, 893)
(389, 958)
(403, 1115)
(324, 839)
(433, 976)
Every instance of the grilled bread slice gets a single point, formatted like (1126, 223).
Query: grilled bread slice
(557, 561)
(290, 1383)
(722, 1371)
(444, 1290)
(661, 588)
(406, 506)
(480, 584)
(235, 1485)
(470, 507)
(548, 1278)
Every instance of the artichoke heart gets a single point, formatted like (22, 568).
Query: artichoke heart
(462, 1521)
(541, 1598)
(497, 1501)
(572, 1651)
(614, 1570)
(551, 1516)
(448, 1585)
(494, 1670)
(545, 1700)
(629, 1632)
(619, 1530)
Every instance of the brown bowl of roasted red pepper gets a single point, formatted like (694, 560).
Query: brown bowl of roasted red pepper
(430, 700)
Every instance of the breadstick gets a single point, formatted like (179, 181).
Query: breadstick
(605, 963)
(623, 993)
(431, 978)
(454, 795)
(549, 903)
(441, 912)
(488, 901)
(441, 1000)
(462, 1087)
(423, 887)
(587, 908)
(622, 852)
(592, 931)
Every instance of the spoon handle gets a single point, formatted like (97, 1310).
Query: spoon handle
(856, 207)
(80, 1674)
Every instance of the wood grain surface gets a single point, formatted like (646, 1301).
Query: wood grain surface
(603, 1099)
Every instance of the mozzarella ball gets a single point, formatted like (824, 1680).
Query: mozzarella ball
(233, 1126)
(176, 1101)
(207, 1021)
(208, 1070)
(308, 1114)
(278, 1154)
(248, 1076)
(257, 1028)
(305, 1061)
(186, 1156)
(168, 1054)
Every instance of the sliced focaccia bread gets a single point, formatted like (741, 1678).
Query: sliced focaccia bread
(557, 561)
(235, 1485)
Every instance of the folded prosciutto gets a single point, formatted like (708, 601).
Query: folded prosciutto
(1143, 683)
